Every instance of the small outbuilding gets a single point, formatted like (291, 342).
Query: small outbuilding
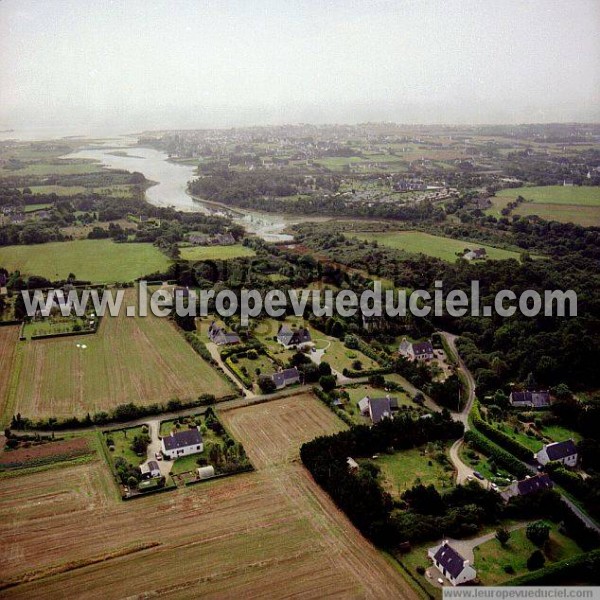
(205, 472)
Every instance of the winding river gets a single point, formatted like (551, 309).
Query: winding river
(171, 187)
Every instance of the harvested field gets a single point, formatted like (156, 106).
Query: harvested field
(43, 453)
(273, 432)
(139, 360)
(269, 534)
(9, 338)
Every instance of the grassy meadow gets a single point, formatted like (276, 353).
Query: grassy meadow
(444, 248)
(580, 205)
(194, 253)
(98, 261)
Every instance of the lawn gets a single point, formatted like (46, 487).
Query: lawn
(340, 357)
(427, 465)
(558, 433)
(263, 363)
(139, 360)
(195, 253)
(491, 557)
(122, 439)
(33, 207)
(59, 190)
(53, 325)
(479, 462)
(98, 261)
(431, 245)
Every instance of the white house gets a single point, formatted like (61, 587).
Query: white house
(293, 338)
(416, 351)
(451, 564)
(182, 443)
(285, 377)
(562, 452)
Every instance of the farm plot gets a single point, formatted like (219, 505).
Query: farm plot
(139, 360)
(252, 536)
(9, 338)
(195, 253)
(273, 432)
(44, 454)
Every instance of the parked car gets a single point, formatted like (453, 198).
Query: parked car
(158, 456)
(478, 475)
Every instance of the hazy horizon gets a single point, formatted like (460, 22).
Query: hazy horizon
(126, 66)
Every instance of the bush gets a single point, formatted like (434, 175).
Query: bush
(536, 560)
(509, 569)
(421, 570)
(538, 532)
(327, 382)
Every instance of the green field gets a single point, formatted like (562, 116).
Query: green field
(403, 470)
(432, 245)
(555, 194)
(195, 253)
(580, 205)
(56, 167)
(33, 207)
(491, 557)
(59, 190)
(98, 261)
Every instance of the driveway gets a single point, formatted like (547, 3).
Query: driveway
(214, 352)
(154, 447)
(317, 357)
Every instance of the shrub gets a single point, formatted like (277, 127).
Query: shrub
(536, 560)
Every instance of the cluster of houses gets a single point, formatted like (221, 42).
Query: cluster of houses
(222, 337)
(218, 239)
(416, 350)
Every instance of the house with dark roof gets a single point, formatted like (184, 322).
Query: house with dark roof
(416, 350)
(221, 337)
(529, 399)
(451, 564)
(182, 443)
(150, 469)
(475, 254)
(562, 452)
(529, 485)
(293, 338)
(286, 377)
(378, 408)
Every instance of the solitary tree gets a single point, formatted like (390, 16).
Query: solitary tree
(503, 535)
(538, 532)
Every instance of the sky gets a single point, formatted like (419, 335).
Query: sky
(128, 65)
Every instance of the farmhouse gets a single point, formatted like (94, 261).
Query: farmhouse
(530, 399)
(451, 564)
(562, 452)
(297, 338)
(475, 254)
(150, 469)
(286, 377)
(219, 336)
(416, 351)
(530, 485)
(182, 443)
(378, 408)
